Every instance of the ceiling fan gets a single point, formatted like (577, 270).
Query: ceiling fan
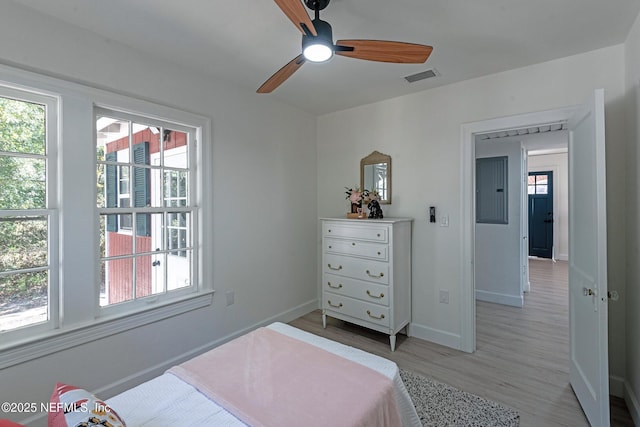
(317, 44)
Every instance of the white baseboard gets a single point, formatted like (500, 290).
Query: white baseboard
(631, 399)
(435, 335)
(128, 382)
(513, 300)
(562, 257)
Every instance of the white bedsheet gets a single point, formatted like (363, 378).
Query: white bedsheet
(168, 401)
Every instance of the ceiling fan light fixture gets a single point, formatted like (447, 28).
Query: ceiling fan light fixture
(317, 52)
(318, 48)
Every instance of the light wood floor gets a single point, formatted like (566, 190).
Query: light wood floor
(521, 358)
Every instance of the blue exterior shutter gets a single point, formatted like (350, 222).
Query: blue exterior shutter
(111, 190)
(142, 187)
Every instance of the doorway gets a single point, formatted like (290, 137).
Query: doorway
(533, 158)
(540, 211)
(469, 132)
(588, 266)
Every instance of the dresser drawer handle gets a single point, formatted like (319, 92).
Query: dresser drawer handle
(374, 275)
(375, 317)
(333, 305)
(353, 243)
(334, 268)
(334, 286)
(379, 253)
(329, 246)
(373, 296)
(378, 234)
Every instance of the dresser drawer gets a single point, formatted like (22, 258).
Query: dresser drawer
(365, 291)
(355, 308)
(378, 251)
(372, 233)
(369, 270)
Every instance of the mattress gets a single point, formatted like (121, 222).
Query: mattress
(168, 401)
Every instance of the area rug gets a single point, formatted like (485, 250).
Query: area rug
(439, 405)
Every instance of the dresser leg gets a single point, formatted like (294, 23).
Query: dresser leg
(392, 341)
(324, 321)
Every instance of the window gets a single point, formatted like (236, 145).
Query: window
(537, 183)
(144, 178)
(27, 213)
(176, 195)
(124, 196)
(100, 214)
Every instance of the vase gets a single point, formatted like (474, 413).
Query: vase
(357, 212)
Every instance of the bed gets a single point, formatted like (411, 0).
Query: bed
(259, 379)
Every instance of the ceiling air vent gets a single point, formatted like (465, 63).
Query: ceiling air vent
(423, 75)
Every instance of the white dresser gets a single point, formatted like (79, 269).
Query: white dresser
(366, 273)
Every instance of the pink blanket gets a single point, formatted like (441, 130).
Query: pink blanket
(265, 378)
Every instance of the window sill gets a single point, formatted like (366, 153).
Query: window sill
(58, 340)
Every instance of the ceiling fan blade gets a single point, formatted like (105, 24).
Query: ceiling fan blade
(384, 51)
(295, 11)
(281, 75)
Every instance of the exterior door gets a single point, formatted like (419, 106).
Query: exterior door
(588, 311)
(540, 191)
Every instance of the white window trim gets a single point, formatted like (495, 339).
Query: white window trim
(44, 344)
(71, 328)
(193, 210)
(52, 105)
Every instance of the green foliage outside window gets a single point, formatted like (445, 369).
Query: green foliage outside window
(23, 238)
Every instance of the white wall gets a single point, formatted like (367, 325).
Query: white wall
(422, 134)
(497, 246)
(559, 165)
(632, 296)
(264, 207)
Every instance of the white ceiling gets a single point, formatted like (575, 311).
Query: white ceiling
(246, 41)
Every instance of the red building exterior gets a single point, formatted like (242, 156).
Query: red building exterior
(119, 271)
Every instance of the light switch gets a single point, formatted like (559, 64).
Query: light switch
(444, 221)
(231, 296)
(444, 296)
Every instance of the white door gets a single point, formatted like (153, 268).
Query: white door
(525, 286)
(588, 353)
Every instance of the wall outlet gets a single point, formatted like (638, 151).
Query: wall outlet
(231, 296)
(444, 296)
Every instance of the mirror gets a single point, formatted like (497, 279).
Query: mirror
(375, 174)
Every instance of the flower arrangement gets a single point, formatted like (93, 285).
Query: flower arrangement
(356, 195)
(372, 195)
